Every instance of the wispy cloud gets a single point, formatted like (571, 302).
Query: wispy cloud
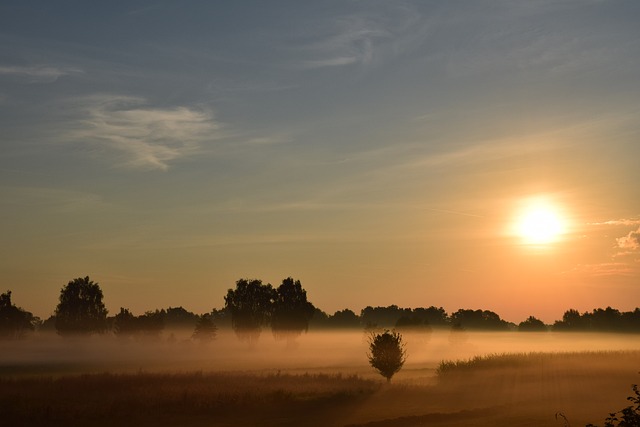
(145, 137)
(605, 269)
(617, 222)
(352, 42)
(367, 38)
(38, 74)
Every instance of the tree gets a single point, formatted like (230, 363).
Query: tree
(532, 325)
(14, 321)
(344, 319)
(479, 319)
(291, 310)
(81, 310)
(571, 321)
(205, 330)
(251, 307)
(387, 353)
(124, 323)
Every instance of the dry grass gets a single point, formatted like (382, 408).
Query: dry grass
(179, 399)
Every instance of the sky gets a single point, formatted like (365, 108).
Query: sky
(379, 152)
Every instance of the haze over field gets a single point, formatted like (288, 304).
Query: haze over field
(477, 154)
(324, 380)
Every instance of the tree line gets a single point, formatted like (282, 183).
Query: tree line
(253, 306)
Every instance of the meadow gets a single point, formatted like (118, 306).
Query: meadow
(323, 379)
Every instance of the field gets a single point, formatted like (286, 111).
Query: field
(483, 379)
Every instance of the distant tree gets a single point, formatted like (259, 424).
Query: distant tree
(205, 330)
(532, 325)
(125, 323)
(608, 319)
(81, 310)
(251, 307)
(222, 317)
(291, 310)
(319, 319)
(151, 323)
(383, 316)
(571, 321)
(479, 319)
(434, 316)
(344, 319)
(178, 317)
(412, 323)
(387, 353)
(630, 320)
(14, 321)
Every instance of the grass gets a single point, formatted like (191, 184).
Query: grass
(517, 389)
(478, 364)
(176, 399)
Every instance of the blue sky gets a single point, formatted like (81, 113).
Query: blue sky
(375, 150)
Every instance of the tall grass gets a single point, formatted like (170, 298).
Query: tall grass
(494, 361)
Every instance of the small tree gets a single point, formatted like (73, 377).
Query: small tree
(81, 310)
(387, 353)
(205, 330)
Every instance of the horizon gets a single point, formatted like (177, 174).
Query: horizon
(479, 155)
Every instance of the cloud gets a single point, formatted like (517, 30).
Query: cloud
(383, 32)
(605, 269)
(38, 74)
(145, 137)
(616, 222)
(631, 241)
(352, 42)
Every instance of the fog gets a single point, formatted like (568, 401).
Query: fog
(586, 377)
(321, 351)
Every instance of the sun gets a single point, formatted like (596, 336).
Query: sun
(539, 223)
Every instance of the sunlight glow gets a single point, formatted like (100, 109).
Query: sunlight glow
(539, 223)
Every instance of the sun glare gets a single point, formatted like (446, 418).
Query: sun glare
(539, 223)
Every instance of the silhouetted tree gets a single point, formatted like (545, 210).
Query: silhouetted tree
(291, 310)
(599, 320)
(387, 353)
(433, 316)
(412, 323)
(390, 315)
(151, 323)
(205, 330)
(532, 325)
(81, 310)
(178, 317)
(383, 316)
(344, 319)
(319, 319)
(479, 319)
(251, 306)
(14, 321)
(125, 323)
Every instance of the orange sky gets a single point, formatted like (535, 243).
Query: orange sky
(380, 153)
